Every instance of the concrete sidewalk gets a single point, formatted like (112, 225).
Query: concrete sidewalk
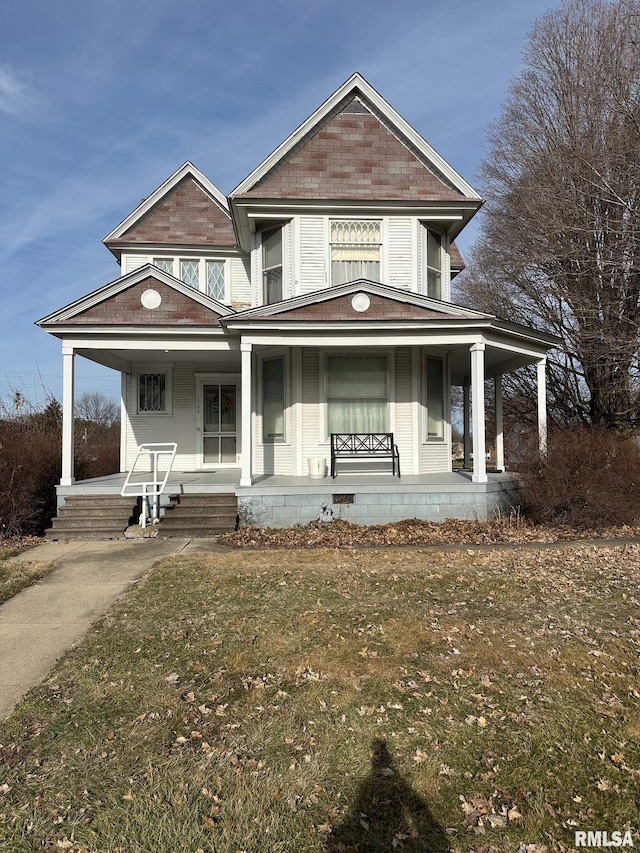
(40, 623)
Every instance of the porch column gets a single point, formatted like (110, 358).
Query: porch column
(542, 405)
(245, 473)
(499, 424)
(477, 389)
(68, 381)
(466, 435)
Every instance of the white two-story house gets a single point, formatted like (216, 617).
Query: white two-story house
(313, 300)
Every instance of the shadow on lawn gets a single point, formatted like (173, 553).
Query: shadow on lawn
(387, 814)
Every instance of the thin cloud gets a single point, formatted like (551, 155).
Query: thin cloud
(16, 94)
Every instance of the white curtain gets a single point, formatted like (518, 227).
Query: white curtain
(357, 393)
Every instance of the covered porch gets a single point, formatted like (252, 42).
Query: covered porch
(281, 501)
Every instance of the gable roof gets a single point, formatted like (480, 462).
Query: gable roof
(335, 304)
(187, 209)
(119, 303)
(356, 103)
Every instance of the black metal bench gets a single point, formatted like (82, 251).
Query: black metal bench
(364, 445)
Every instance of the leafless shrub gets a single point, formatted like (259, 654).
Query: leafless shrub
(30, 463)
(590, 477)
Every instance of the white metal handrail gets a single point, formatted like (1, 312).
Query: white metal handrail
(150, 489)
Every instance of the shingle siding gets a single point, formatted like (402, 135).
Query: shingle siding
(185, 216)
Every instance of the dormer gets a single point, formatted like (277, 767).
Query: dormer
(353, 192)
(185, 228)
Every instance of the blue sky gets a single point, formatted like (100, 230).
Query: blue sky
(101, 100)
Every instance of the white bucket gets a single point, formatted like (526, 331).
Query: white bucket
(317, 467)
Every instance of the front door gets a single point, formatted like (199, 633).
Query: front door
(218, 428)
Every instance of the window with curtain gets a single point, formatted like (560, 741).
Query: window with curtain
(273, 399)
(355, 249)
(357, 393)
(434, 264)
(434, 398)
(272, 265)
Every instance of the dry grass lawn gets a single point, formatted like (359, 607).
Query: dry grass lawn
(341, 700)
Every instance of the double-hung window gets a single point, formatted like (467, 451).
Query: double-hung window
(434, 264)
(273, 402)
(434, 397)
(356, 246)
(272, 265)
(357, 393)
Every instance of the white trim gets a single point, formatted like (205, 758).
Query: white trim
(187, 169)
(297, 420)
(124, 421)
(479, 474)
(129, 280)
(68, 415)
(356, 84)
(246, 414)
(542, 405)
(499, 422)
(378, 288)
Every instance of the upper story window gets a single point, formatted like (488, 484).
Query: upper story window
(164, 264)
(215, 280)
(206, 275)
(272, 265)
(355, 249)
(434, 264)
(189, 273)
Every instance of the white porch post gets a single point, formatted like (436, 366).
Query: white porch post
(542, 405)
(68, 381)
(499, 425)
(245, 473)
(466, 436)
(477, 390)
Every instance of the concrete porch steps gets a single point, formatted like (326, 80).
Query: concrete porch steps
(199, 515)
(93, 517)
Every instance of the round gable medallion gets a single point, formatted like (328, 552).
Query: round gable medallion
(151, 299)
(360, 302)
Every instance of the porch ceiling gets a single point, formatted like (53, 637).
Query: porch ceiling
(219, 360)
(496, 360)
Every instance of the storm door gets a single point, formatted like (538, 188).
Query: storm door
(218, 428)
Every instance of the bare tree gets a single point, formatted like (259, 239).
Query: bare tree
(559, 247)
(96, 407)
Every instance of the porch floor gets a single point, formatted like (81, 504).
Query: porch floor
(208, 482)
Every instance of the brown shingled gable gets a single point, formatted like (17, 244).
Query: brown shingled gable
(126, 309)
(186, 215)
(353, 155)
(340, 308)
(456, 259)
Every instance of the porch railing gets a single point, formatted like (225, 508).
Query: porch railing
(150, 483)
